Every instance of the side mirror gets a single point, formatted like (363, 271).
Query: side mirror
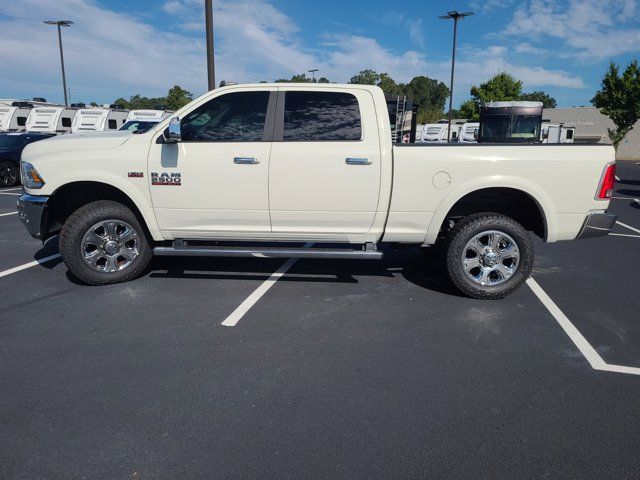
(172, 134)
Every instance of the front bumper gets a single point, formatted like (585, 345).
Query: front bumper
(32, 211)
(598, 224)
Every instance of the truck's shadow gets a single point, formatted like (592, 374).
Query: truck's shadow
(48, 249)
(425, 270)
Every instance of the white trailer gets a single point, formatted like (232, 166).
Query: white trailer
(147, 115)
(556, 133)
(50, 119)
(13, 115)
(469, 132)
(98, 119)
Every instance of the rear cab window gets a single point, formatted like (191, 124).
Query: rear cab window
(317, 116)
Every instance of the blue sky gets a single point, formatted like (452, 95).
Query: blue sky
(120, 48)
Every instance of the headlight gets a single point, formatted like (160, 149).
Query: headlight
(30, 176)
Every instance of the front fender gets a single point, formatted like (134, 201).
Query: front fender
(135, 193)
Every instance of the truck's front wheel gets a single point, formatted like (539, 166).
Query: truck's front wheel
(489, 256)
(103, 242)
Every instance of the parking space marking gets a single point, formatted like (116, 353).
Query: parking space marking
(627, 226)
(590, 353)
(624, 235)
(10, 193)
(233, 319)
(10, 213)
(29, 265)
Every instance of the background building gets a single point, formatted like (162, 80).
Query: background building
(591, 127)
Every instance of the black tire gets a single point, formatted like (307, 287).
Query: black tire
(9, 175)
(473, 226)
(81, 222)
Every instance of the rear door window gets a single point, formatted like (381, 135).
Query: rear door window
(321, 116)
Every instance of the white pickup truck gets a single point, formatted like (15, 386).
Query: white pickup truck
(260, 170)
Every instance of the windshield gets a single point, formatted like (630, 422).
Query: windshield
(495, 128)
(526, 127)
(138, 126)
(510, 128)
(10, 141)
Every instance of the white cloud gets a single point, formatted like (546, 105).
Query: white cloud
(172, 7)
(591, 29)
(527, 48)
(110, 54)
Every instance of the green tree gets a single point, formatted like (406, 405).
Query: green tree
(619, 99)
(469, 110)
(499, 88)
(178, 97)
(365, 77)
(119, 101)
(323, 80)
(298, 78)
(428, 93)
(538, 96)
(389, 85)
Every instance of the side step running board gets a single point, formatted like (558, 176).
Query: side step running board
(265, 252)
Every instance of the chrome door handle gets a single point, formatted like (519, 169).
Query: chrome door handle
(357, 161)
(245, 161)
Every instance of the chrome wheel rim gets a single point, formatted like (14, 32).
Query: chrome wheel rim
(110, 246)
(490, 258)
(8, 175)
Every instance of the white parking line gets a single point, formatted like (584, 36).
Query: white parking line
(624, 235)
(10, 193)
(590, 353)
(617, 178)
(233, 319)
(5, 214)
(10, 189)
(29, 265)
(627, 226)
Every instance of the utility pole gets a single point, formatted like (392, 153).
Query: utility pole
(61, 23)
(211, 66)
(313, 74)
(455, 16)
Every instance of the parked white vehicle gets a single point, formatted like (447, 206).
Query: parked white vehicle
(439, 132)
(14, 114)
(147, 115)
(556, 133)
(50, 119)
(99, 119)
(308, 163)
(434, 133)
(143, 120)
(469, 132)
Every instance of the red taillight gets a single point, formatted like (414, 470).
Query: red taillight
(607, 182)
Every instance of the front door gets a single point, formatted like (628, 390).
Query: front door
(325, 166)
(214, 182)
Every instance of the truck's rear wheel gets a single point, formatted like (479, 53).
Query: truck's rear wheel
(489, 256)
(103, 242)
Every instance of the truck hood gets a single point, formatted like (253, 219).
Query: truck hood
(76, 141)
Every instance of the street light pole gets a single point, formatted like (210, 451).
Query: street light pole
(455, 15)
(61, 23)
(211, 68)
(313, 74)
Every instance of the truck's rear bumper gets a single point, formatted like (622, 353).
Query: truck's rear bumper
(598, 224)
(32, 211)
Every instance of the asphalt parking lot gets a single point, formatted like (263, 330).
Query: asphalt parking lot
(331, 370)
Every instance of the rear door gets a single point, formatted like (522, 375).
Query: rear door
(325, 166)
